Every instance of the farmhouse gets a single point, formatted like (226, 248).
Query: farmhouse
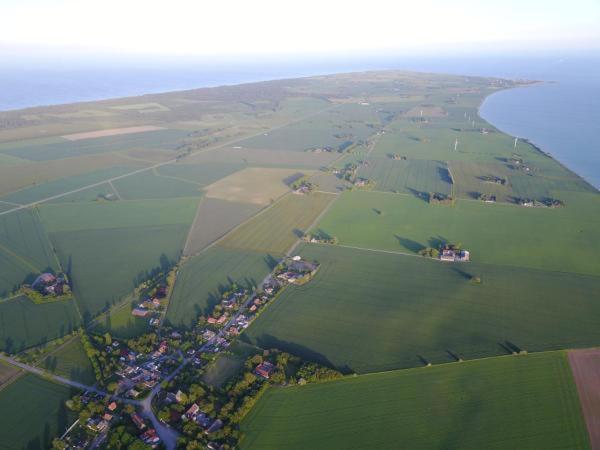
(450, 254)
(264, 369)
(140, 312)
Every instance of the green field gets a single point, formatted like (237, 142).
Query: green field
(276, 229)
(221, 370)
(562, 239)
(8, 374)
(202, 174)
(24, 324)
(151, 185)
(33, 413)
(120, 323)
(121, 258)
(67, 217)
(511, 402)
(369, 311)
(214, 219)
(201, 279)
(407, 176)
(56, 187)
(70, 361)
(160, 139)
(24, 250)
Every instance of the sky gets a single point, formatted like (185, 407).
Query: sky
(281, 27)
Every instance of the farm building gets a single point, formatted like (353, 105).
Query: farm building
(265, 369)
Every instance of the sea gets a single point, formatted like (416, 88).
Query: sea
(561, 114)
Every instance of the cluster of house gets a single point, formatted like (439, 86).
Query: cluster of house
(296, 270)
(149, 436)
(544, 203)
(140, 372)
(49, 284)
(193, 414)
(517, 163)
(449, 253)
(101, 422)
(487, 198)
(303, 189)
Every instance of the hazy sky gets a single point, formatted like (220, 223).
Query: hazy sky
(304, 26)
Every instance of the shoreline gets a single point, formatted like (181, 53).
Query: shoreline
(539, 148)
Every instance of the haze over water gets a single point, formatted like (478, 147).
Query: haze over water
(561, 116)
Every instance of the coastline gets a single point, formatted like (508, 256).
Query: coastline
(536, 146)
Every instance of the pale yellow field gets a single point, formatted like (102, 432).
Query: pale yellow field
(109, 132)
(255, 185)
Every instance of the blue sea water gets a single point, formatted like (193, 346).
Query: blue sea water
(560, 115)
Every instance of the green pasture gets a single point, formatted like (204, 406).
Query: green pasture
(510, 402)
(369, 311)
(202, 174)
(120, 323)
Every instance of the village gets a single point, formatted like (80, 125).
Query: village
(149, 389)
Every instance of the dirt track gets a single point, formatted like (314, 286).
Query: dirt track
(585, 365)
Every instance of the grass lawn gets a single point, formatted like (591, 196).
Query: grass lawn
(71, 362)
(120, 323)
(33, 413)
(203, 277)
(511, 402)
(25, 324)
(562, 239)
(276, 229)
(369, 311)
(221, 370)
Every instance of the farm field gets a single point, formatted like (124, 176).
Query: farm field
(86, 216)
(407, 176)
(203, 277)
(264, 158)
(71, 362)
(509, 402)
(214, 219)
(24, 324)
(33, 412)
(61, 185)
(203, 174)
(368, 311)
(277, 228)
(585, 365)
(542, 238)
(24, 176)
(161, 139)
(151, 185)
(24, 249)
(122, 258)
(259, 186)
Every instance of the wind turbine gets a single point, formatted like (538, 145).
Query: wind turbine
(515, 144)
(455, 144)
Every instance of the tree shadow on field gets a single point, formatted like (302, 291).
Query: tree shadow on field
(409, 244)
(444, 174)
(268, 341)
(437, 241)
(298, 233)
(462, 273)
(421, 195)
